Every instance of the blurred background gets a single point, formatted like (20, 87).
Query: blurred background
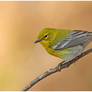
(21, 60)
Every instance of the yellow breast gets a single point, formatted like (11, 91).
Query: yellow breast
(53, 52)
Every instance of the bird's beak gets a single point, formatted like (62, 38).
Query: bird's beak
(38, 40)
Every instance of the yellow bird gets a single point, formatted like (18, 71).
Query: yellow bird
(64, 43)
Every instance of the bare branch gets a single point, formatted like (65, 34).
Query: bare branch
(58, 68)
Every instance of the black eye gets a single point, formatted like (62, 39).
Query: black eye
(45, 36)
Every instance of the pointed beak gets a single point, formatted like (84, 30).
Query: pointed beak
(38, 40)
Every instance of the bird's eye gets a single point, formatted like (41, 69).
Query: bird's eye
(45, 36)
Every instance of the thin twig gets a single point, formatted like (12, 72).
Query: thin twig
(56, 69)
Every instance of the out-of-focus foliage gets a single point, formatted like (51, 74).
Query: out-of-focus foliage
(21, 60)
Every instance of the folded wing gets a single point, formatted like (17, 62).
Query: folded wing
(77, 37)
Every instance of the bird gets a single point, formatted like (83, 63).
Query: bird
(64, 43)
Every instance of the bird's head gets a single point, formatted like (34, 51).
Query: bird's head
(46, 36)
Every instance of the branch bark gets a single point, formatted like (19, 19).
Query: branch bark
(58, 68)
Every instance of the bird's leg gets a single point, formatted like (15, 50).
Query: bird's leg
(60, 64)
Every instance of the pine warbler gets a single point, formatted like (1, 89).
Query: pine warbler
(62, 43)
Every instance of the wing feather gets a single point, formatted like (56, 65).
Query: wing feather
(77, 37)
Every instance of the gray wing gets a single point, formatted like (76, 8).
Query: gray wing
(77, 37)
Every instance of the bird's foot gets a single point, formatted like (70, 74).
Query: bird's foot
(59, 65)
